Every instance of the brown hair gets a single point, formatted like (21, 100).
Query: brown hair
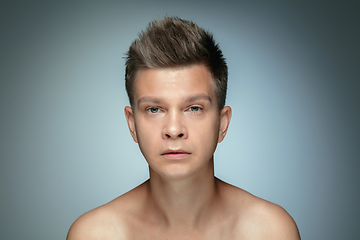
(173, 42)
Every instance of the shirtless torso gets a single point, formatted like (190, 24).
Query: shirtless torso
(178, 116)
(236, 214)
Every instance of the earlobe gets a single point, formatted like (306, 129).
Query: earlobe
(225, 116)
(131, 122)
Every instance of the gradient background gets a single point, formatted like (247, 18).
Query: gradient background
(294, 86)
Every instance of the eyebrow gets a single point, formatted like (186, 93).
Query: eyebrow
(198, 97)
(150, 99)
(188, 99)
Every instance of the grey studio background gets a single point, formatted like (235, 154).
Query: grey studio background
(293, 85)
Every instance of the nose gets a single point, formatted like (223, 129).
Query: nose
(174, 127)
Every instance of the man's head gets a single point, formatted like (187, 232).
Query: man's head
(174, 42)
(176, 79)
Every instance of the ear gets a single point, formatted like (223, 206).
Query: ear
(225, 116)
(131, 122)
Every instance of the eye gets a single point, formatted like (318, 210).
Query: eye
(153, 109)
(195, 108)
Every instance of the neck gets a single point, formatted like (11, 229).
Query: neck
(184, 203)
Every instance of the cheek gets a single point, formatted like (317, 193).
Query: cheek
(207, 133)
(146, 135)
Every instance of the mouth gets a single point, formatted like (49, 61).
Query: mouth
(175, 154)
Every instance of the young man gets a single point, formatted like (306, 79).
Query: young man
(176, 80)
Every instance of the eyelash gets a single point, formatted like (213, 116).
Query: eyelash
(152, 108)
(157, 109)
(197, 107)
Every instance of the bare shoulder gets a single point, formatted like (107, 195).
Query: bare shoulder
(270, 221)
(260, 219)
(104, 222)
(94, 224)
(108, 221)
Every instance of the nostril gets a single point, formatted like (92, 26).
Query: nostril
(180, 135)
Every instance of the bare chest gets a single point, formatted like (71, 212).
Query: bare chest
(221, 230)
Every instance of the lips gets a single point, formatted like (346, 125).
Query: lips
(175, 153)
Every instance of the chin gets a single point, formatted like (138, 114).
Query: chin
(174, 173)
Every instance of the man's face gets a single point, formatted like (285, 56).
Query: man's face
(175, 119)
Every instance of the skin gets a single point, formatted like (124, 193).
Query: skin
(177, 124)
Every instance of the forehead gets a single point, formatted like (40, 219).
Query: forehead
(173, 83)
